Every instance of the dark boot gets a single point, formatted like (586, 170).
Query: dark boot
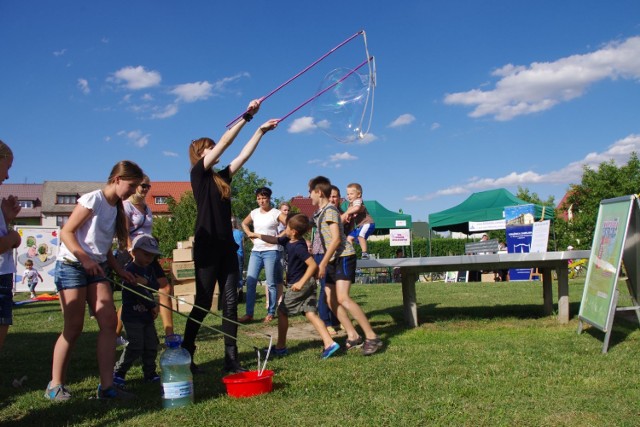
(195, 370)
(231, 362)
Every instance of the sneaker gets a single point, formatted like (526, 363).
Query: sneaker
(33, 295)
(364, 255)
(58, 393)
(327, 352)
(279, 352)
(371, 346)
(113, 393)
(357, 343)
(154, 378)
(119, 381)
(121, 341)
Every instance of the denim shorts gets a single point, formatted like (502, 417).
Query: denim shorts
(72, 275)
(6, 299)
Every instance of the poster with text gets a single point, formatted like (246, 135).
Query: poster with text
(39, 245)
(519, 230)
(399, 237)
(604, 263)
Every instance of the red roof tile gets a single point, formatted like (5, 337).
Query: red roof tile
(173, 189)
(304, 205)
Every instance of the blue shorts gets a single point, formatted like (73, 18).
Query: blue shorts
(341, 268)
(364, 231)
(72, 275)
(6, 299)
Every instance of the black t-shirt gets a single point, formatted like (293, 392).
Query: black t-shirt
(213, 222)
(297, 255)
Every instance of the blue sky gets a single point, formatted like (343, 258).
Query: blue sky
(470, 95)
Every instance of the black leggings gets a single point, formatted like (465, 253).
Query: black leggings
(225, 272)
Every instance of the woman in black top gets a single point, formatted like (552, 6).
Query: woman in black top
(214, 250)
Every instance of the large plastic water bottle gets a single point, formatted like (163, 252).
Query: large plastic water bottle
(177, 380)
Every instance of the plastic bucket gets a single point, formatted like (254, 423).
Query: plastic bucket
(247, 384)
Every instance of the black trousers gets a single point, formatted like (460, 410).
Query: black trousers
(224, 271)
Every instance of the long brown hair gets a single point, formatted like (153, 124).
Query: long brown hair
(127, 171)
(195, 153)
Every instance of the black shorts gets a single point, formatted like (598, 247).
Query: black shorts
(341, 268)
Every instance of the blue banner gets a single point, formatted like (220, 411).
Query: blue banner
(519, 230)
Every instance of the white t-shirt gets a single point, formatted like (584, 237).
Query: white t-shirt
(7, 266)
(95, 236)
(265, 223)
(139, 223)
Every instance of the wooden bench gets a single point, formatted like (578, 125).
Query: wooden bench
(484, 247)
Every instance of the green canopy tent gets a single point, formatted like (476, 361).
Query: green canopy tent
(483, 206)
(383, 217)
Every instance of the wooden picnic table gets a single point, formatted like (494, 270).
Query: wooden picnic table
(545, 262)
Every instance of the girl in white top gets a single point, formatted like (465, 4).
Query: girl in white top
(9, 239)
(81, 277)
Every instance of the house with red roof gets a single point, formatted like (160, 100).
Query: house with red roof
(160, 192)
(30, 200)
(304, 205)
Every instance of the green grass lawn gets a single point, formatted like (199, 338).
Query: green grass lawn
(484, 354)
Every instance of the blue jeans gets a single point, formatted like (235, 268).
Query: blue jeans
(324, 311)
(270, 261)
(240, 271)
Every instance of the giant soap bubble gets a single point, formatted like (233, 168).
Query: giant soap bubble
(340, 111)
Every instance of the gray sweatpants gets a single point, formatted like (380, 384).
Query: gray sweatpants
(143, 342)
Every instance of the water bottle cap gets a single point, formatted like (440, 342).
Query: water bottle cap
(173, 340)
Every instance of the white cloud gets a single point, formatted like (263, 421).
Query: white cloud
(367, 138)
(169, 154)
(192, 92)
(83, 85)
(435, 125)
(104, 40)
(302, 124)
(59, 52)
(136, 137)
(224, 84)
(619, 152)
(168, 111)
(342, 156)
(403, 120)
(542, 85)
(136, 78)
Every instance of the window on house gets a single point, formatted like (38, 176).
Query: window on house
(26, 204)
(161, 200)
(61, 220)
(66, 199)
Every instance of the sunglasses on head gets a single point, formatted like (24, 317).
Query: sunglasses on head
(147, 186)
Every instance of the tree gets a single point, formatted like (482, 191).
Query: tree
(584, 199)
(524, 194)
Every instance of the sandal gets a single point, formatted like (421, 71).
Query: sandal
(268, 318)
(357, 343)
(246, 318)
